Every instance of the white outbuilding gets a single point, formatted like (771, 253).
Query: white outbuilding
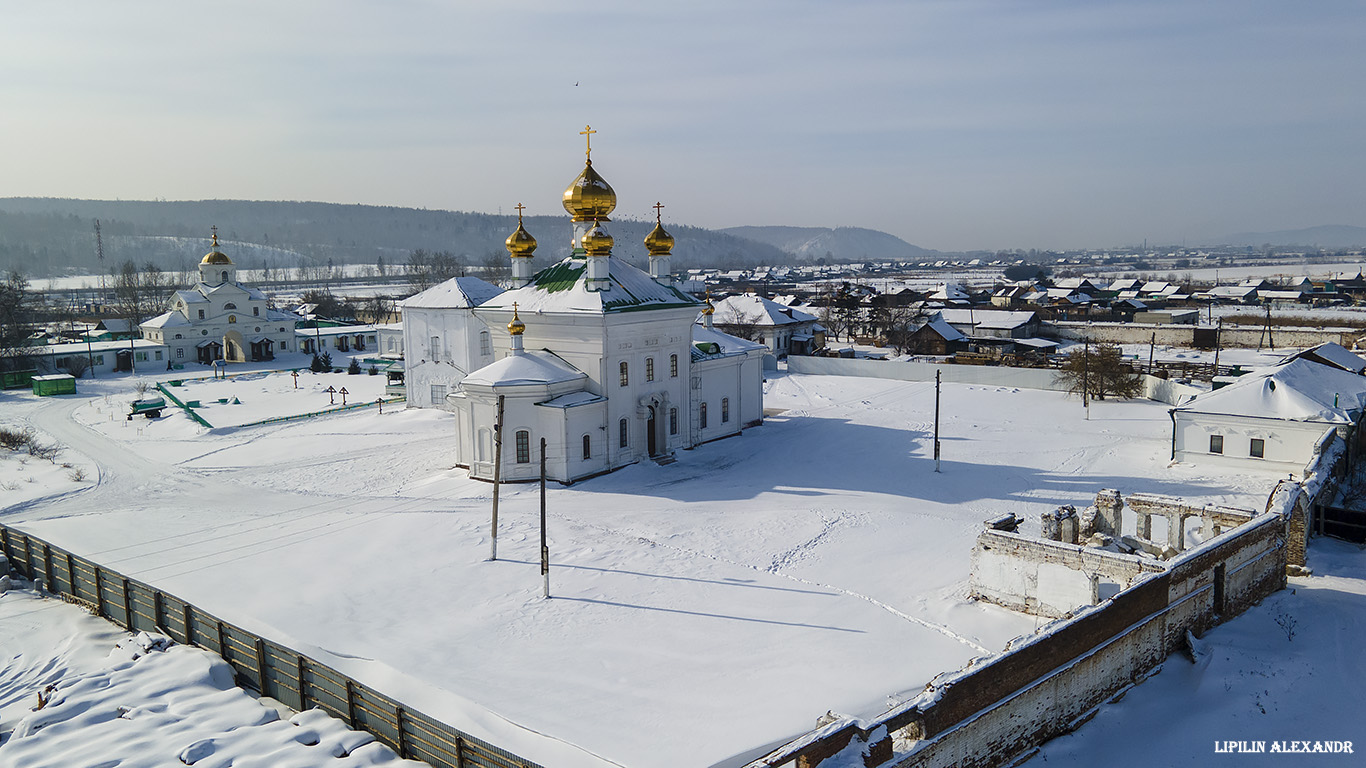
(1276, 417)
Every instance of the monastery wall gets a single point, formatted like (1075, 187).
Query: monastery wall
(1251, 336)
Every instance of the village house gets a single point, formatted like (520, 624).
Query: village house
(783, 329)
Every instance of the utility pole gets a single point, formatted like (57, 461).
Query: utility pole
(545, 549)
(497, 473)
(936, 419)
(1218, 331)
(1086, 376)
(1152, 344)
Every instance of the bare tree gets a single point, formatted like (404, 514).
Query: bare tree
(744, 325)
(897, 324)
(1099, 371)
(16, 322)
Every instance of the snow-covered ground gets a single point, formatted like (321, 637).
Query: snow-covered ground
(703, 611)
(1290, 669)
(111, 698)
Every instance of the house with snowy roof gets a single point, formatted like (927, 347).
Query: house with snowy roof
(601, 362)
(785, 330)
(1275, 417)
(1332, 354)
(220, 318)
(936, 337)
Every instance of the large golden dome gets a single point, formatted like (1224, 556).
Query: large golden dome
(659, 242)
(589, 196)
(596, 240)
(215, 256)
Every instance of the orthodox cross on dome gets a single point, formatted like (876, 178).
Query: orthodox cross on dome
(587, 133)
(215, 235)
(519, 208)
(657, 207)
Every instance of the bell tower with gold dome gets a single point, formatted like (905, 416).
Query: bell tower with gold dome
(660, 245)
(216, 268)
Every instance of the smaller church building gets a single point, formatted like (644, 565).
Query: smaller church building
(219, 318)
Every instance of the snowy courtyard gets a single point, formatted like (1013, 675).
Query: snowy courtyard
(702, 612)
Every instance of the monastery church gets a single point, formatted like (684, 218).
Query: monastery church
(607, 363)
(220, 318)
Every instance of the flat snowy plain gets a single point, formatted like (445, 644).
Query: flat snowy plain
(703, 612)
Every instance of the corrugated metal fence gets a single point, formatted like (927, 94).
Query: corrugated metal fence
(267, 667)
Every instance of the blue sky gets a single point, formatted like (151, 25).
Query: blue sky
(954, 125)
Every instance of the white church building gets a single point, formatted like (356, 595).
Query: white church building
(605, 362)
(220, 318)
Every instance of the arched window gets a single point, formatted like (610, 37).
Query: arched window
(230, 305)
(225, 276)
(625, 376)
(485, 345)
(702, 416)
(673, 421)
(625, 430)
(649, 369)
(725, 410)
(434, 350)
(587, 448)
(523, 447)
(673, 366)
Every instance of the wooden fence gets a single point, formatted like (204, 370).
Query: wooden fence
(269, 668)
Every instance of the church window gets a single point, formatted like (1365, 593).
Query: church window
(485, 344)
(587, 448)
(177, 335)
(438, 394)
(1216, 443)
(158, 354)
(180, 352)
(625, 374)
(201, 314)
(673, 421)
(256, 311)
(225, 276)
(673, 366)
(725, 410)
(284, 345)
(1258, 449)
(232, 318)
(435, 350)
(523, 447)
(625, 430)
(649, 369)
(702, 416)
(230, 305)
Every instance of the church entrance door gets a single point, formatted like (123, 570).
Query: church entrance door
(651, 441)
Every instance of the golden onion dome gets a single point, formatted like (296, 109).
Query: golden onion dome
(516, 327)
(596, 240)
(659, 242)
(589, 196)
(708, 309)
(520, 243)
(215, 256)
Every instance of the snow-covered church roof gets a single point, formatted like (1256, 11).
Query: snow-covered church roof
(531, 367)
(563, 287)
(456, 293)
(1298, 390)
(709, 343)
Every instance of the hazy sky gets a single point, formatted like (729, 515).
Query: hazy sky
(954, 125)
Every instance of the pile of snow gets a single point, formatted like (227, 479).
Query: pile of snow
(67, 699)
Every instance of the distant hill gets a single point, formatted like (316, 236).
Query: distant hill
(1328, 236)
(42, 237)
(838, 244)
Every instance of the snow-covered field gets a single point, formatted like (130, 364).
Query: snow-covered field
(702, 612)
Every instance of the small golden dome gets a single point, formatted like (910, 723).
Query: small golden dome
(596, 240)
(589, 196)
(659, 242)
(516, 327)
(520, 243)
(215, 256)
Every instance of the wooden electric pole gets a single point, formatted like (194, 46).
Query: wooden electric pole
(497, 473)
(936, 419)
(545, 549)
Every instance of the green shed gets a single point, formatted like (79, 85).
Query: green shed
(55, 384)
(16, 379)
